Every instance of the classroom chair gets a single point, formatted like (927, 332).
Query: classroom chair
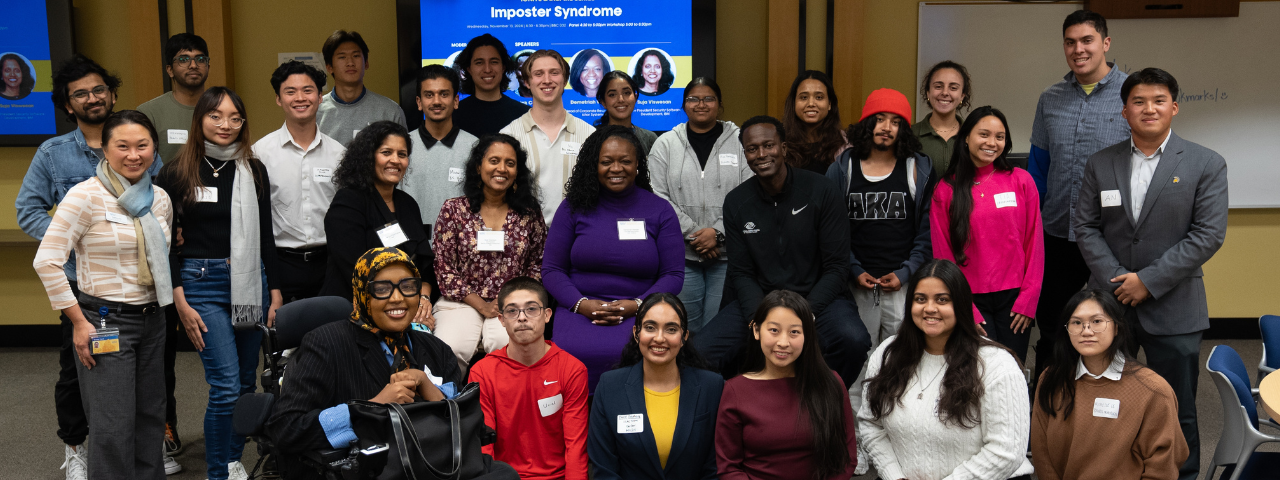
(1240, 436)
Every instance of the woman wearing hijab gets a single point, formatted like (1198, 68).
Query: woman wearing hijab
(375, 356)
(118, 225)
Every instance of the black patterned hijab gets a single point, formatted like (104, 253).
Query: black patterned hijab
(367, 268)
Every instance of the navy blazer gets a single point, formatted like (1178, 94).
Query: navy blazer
(635, 455)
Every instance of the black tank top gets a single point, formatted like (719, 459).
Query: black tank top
(882, 220)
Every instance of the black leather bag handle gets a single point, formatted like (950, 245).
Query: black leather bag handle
(398, 425)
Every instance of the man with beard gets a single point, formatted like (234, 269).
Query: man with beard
(87, 93)
(888, 184)
(440, 150)
(788, 230)
(300, 162)
(171, 113)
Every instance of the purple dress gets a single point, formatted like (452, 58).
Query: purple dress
(584, 257)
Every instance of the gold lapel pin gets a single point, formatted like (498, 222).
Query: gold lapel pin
(1175, 179)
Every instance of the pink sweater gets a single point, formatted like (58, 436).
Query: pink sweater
(1006, 242)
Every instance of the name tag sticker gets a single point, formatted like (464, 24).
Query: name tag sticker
(456, 174)
(550, 405)
(1106, 408)
(322, 175)
(106, 340)
(120, 218)
(631, 229)
(1006, 199)
(631, 423)
(570, 148)
(392, 235)
(207, 194)
(491, 241)
(177, 137)
(1110, 198)
(729, 159)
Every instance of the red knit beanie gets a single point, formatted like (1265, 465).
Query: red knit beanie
(887, 100)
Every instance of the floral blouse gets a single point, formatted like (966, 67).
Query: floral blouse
(462, 269)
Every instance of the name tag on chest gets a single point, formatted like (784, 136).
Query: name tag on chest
(630, 229)
(207, 195)
(177, 137)
(729, 159)
(120, 218)
(631, 423)
(1006, 199)
(322, 175)
(1106, 408)
(550, 405)
(392, 235)
(491, 240)
(1110, 198)
(456, 174)
(570, 148)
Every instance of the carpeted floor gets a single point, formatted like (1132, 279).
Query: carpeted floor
(30, 449)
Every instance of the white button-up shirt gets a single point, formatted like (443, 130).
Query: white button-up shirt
(1141, 169)
(301, 185)
(551, 160)
(1111, 373)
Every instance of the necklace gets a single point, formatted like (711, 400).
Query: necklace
(215, 170)
(979, 182)
(920, 396)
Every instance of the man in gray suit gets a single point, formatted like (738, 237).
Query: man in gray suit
(1151, 211)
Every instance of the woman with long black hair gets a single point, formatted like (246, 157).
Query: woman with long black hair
(1135, 435)
(941, 401)
(811, 115)
(660, 396)
(985, 217)
(617, 94)
(761, 428)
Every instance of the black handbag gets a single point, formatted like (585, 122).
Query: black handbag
(429, 440)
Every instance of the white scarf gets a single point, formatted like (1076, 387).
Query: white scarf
(246, 246)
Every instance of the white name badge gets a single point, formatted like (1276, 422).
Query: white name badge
(322, 175)
(570, 148)
(729, 159)
(631, 423)
(1106, 407)
(1006, 199)
(392, 235)
(456, 174)
(630, 229)
(1110, 198)
(207, 194)
(120, 218)
(177, 137)
(491, 241)
(550, 405)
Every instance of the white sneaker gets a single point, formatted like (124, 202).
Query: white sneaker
(76, 463)
(863, 463)
(235, 471)
(171, 466)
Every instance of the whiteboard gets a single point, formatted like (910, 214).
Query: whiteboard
(1227, 70)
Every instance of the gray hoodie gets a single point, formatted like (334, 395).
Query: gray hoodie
(696, 194)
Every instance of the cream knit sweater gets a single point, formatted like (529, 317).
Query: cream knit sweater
(913, 442)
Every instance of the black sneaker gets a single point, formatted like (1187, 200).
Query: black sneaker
(172, 444)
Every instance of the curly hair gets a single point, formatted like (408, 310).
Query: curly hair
(520, 195)
(583, 189)
(356, 170)
(966, 91)
(76, 68)
(862, 138)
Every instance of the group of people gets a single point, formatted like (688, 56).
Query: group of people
(680, 260)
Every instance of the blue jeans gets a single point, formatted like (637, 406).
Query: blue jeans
(230, 357)
(703, 289)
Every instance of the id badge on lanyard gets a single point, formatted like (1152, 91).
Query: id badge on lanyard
(105, 340)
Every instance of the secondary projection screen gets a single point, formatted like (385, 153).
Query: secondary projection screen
(27, 53)
(654, 37)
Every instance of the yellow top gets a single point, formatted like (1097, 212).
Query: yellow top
(1088, 89)
(663, 409)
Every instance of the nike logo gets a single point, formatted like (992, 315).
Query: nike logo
(798, 210)
(545, 383)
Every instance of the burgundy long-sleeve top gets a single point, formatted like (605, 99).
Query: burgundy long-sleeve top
(762, 433)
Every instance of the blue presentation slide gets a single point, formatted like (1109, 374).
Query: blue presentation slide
(25, 70)
(651, 41)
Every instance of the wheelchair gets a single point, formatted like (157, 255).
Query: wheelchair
(294, 321)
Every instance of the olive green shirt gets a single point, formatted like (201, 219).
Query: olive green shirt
(172, 121)
(934, 146)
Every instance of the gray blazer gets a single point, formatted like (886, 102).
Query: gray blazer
(1183, 223)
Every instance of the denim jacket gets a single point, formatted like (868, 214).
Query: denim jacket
(60, 163)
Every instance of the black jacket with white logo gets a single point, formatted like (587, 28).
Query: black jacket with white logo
(798, 240)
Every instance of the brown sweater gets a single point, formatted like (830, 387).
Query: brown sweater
(1143, 442)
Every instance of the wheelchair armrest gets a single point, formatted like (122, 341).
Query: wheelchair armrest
(326, 457)
(251, 413)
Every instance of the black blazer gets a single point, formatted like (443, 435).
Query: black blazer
(351, 228)
(635, 455)
(336, 363)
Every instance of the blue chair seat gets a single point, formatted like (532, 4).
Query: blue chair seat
(1261, 465)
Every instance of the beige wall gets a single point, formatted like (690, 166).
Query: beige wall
(261, 29)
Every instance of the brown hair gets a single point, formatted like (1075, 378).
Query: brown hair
(528, 63)
(967, 90)
(185, 167)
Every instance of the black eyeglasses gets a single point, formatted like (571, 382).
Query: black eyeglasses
(709, 99)
(531, 311)
(184, 60)
(99, 91)
(382, 289)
